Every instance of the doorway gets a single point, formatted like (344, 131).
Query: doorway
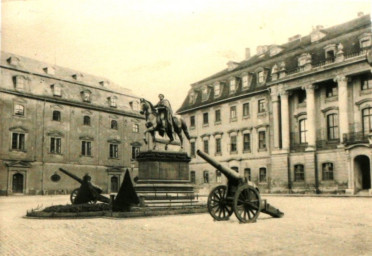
(362, 173)
(17, 186)
(114, 184)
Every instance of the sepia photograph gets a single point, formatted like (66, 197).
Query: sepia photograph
(186, 127)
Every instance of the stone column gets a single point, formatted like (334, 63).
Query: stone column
(342, 105)
(285, 118)
(275, 103)
(310, 122)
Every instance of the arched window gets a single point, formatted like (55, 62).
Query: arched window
(262, 174)
(302, 130)
(327, 171)
(56, 115)
(86, 120)
(206, 176)
(332, 126)
(192, 177)
(299, 172)
(247, 174)
(114, 124)
(367, 120)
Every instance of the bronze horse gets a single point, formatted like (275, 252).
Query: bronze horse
(154, 124)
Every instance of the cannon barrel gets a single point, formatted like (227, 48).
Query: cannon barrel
(71, 175)
(229, 173)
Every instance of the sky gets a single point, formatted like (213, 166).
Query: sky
(161, 46)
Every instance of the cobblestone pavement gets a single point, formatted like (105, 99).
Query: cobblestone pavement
(311, 226)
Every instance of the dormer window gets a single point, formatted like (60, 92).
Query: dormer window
(233, 85)
(246, 80)
(19, 82)
(192, 97)
(261, 77)
(365, 40)
(205, 93)
(330, 52)
(134, 105)
(57, 90)
(217, 89)
(274, 50)
(304, 60)
(316, 35)
(274, 69)
(112, 101)
(86, 95)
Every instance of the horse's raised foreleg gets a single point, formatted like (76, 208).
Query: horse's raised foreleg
(153, 140)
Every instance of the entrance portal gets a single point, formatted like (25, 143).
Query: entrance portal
(362, 173)
(17, 183)
(114, 184)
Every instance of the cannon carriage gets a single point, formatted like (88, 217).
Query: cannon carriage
(239, 196)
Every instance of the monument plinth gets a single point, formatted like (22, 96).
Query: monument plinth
(163, 178)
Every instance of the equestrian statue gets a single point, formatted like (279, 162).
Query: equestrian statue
(159, 118)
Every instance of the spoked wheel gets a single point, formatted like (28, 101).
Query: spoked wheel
(218, 206)
(247, 204)
(73, 195)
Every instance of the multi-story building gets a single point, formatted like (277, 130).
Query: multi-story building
(294, 117)
(52, 117)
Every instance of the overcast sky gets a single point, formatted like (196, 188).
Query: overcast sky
(164, 46)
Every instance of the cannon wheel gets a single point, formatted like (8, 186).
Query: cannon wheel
(74, 194)
(218, 206)
(247, 204)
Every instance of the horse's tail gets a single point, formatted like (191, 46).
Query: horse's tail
(184, 129)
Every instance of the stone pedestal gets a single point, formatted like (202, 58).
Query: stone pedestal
(163, 179)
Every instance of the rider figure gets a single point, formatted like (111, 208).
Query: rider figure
(166, 114)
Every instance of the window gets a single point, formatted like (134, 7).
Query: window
(245, 82)
(206, 146)
(301, 96)
(19, 110)
(192, 149)
(192, 121)
(233, 113)
(367, 120)
(332, 127)
(299, 172)
(135, 152)
(134, 105)
(302, 131)
(218, 176)
(217, 90)
(56, 115)
(86, 95)
(330, 55)
(331, 90)
(205, 119)
(114, 151)
(262, 174)
(86, 148)
(262, 140)
(206, 176)
(246, 109)
(246, 142)
(233, 147)
(204, 93)
(192, 177)
(217, 115)
(135, 128)
(112, 101)
(55, 145)
(261, 106)
(86, 120)
(261, 77)
(232, 86)
(366, 83)
(218, 145)
(114, 124)
(20, 82)
(247, 174)
(18, 141)
(57, 90)
(327, 171)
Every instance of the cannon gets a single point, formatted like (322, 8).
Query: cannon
(87, 193)
(239, 196)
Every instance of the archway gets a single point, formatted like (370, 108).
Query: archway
(114, 184)
(362, 173)
(17, 184)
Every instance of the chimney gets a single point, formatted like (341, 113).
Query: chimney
(360, 14)
(247, 53)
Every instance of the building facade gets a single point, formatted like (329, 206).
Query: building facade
(52, 117)
(295, 117)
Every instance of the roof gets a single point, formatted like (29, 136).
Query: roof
(291, 51)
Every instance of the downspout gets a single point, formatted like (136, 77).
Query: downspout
(316, 173)
(42, 152)
(289, 175)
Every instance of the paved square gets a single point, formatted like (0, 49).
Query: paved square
(311, 226)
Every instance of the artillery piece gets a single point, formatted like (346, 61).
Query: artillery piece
(239, 196)
(87, 193)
